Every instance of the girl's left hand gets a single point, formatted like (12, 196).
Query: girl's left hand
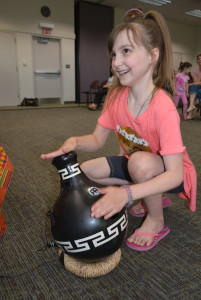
(114, 199)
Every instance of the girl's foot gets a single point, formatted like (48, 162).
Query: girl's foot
(150, 225)
(157, 237)
(184, 117)
(139, 209)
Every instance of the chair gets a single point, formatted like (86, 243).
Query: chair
(93, 89)
(103, 83)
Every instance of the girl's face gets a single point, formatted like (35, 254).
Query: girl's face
(187, 70)
(131, 62)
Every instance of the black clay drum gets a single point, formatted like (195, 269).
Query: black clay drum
(73, 230)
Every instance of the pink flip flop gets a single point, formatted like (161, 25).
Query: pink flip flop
(157, 237)
(166, 202)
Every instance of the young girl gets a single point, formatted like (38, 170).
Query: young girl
(181, 83)
(152, 157)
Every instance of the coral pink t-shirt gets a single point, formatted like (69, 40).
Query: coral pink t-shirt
(157, 130)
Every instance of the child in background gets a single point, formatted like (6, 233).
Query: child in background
(182, 79)
(152, 158)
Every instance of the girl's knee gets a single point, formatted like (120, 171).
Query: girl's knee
(143, 166)
(137, 166)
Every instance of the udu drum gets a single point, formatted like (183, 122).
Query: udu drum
(73, 229)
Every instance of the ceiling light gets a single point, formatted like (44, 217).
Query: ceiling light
(195, 13)
(156, 2)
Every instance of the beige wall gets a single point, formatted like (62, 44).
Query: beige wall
(23, 18)
(186, 43)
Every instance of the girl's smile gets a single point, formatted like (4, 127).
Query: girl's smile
(121, 73)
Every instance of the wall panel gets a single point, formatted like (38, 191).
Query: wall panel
(93, 26)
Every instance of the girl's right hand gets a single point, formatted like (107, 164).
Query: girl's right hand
(69, 145)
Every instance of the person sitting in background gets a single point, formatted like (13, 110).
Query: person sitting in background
(194, 89)
(181, 82)
(101, 93)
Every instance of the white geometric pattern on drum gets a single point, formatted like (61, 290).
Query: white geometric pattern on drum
(113, 229)
(66, 245)
(81, 243)
(125, 222)
(100, 235)
(98, 239)
(74, 169)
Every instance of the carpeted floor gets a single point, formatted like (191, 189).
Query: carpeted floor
(41, 106)
(29, 270)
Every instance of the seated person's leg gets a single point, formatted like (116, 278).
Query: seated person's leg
(199, 93)
(193, 92)
(94, 105)
(100, 96)
(98, 99)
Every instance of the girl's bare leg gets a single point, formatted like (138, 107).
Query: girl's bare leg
(143, 166)
(98, 170)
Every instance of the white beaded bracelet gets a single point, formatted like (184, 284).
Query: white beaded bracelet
(130, 195)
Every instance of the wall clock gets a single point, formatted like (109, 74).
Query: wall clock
(45, 11)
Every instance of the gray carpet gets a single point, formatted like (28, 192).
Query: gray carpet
(29, 270)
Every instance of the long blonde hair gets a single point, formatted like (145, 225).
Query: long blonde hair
(151, 31)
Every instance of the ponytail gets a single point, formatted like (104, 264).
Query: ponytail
(158, 37)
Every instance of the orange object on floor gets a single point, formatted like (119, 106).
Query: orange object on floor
(6, 169)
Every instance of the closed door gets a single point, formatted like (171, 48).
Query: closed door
(46, 56)
(9, 95)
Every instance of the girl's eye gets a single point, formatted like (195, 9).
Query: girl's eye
(126, 51)
(113, 54)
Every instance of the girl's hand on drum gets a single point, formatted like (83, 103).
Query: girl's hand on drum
(113, 200)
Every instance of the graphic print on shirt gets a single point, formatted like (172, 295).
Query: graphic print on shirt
(131, 141)
(181, 82)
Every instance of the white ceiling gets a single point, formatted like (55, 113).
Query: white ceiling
(174, 11)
